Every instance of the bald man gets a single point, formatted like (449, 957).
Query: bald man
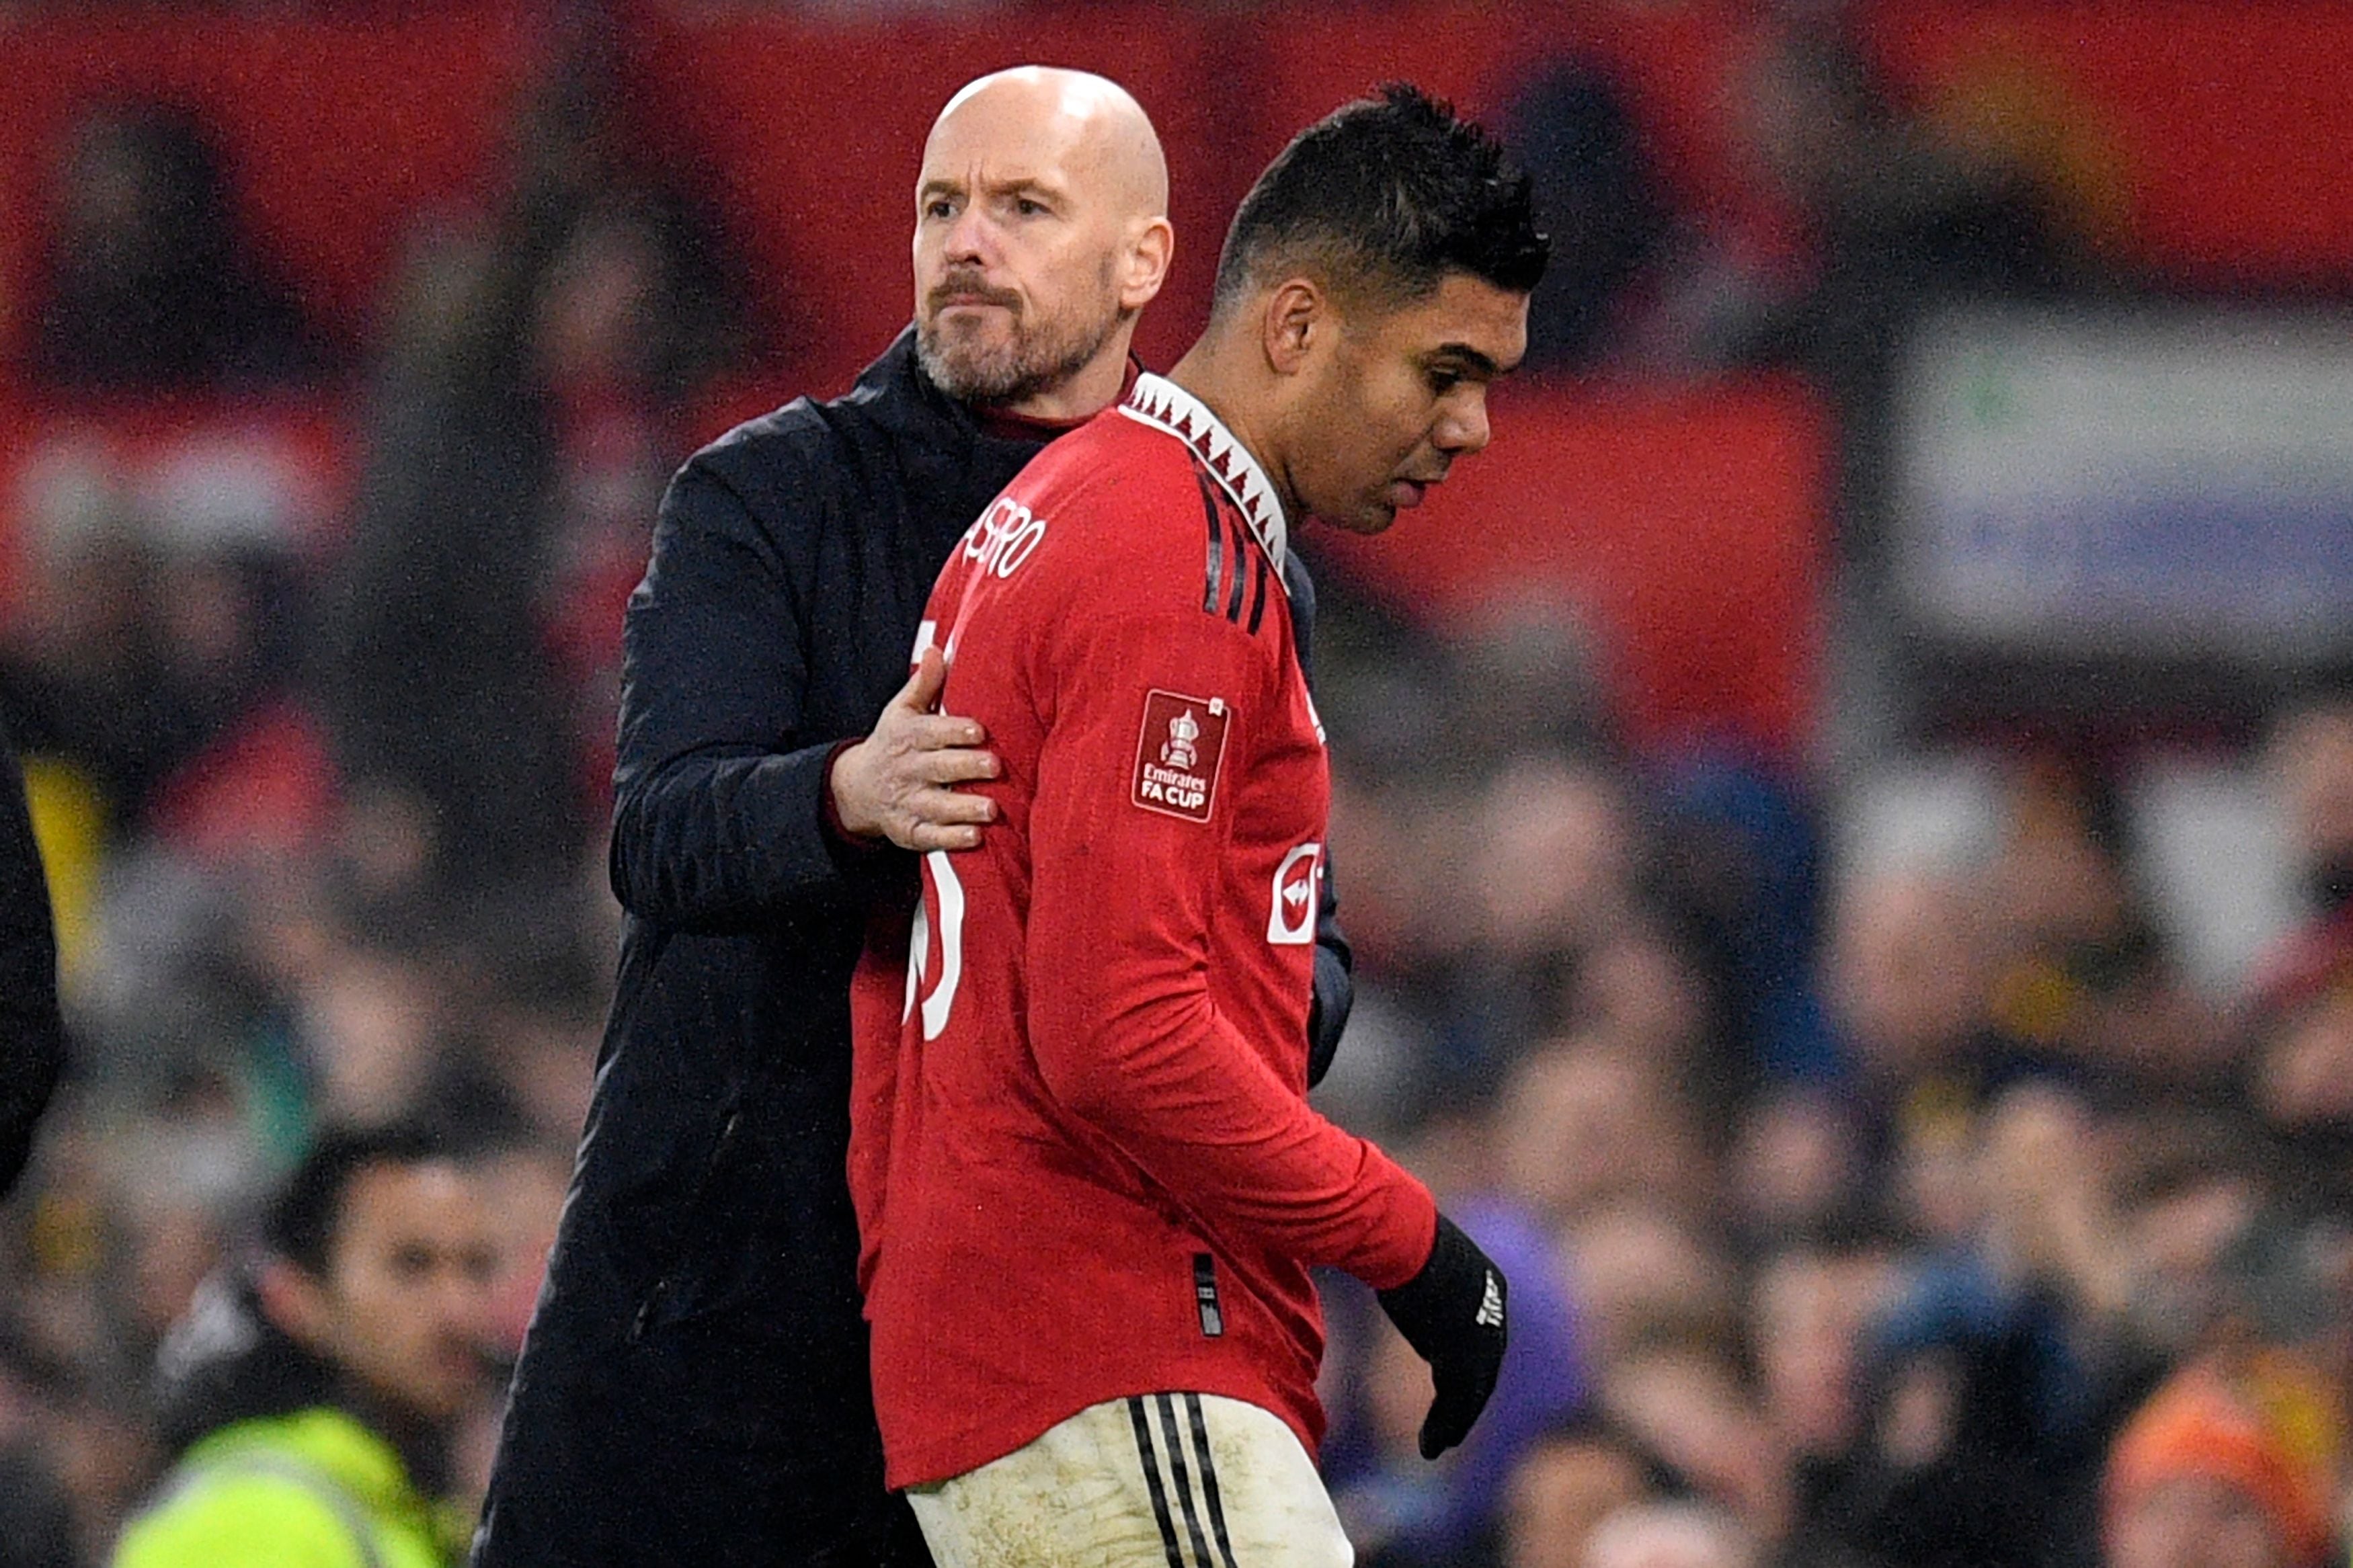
(695, 1389)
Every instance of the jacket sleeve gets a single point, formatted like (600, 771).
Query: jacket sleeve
(32, 1032)
(1121, 1023)
(719, 818)
(1336, 983)
(1335, 963)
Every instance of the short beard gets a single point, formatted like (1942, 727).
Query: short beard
(1036, 362)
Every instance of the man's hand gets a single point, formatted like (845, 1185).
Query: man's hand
(1453, 1314)
(899, 783)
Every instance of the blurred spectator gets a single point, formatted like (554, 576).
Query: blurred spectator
(37, 1528)
(1584, 1122)
(1995, 1370)
(1810, 1316)
(439, 677)
(1669, 1535)
(155, 659)
(2311, 757)
(1640, 1274)
(1860, 219)
(1684, 1396)
(2217, 1470)
(524, 420)
(1797, 1167)
(1599, 203)
(149, 285)
(2083, 984)
(1566, 1485)
(1548, 856)
(309, 1399)
(1898, 215)
(1907, 978)
(2300, 1003)
(2194, 1192)
(1641, 990)
(1740, 873)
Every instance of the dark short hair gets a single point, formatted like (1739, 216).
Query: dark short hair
(1381, 199)
(303, 1224)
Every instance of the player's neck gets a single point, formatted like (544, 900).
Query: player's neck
(1225, 391)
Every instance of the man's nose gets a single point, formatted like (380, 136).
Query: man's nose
(462, 1297)
(971, 238)
(1463, 426)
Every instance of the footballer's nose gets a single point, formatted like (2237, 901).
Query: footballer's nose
(1463, 426)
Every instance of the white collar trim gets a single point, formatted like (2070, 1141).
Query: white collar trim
(1160, 403)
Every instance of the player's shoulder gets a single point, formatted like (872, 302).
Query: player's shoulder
(1109, 469)
(1130, 515)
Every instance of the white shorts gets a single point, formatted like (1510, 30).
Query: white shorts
(1164, 1480)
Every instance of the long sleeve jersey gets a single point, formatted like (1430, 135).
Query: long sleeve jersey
(1082, 1152)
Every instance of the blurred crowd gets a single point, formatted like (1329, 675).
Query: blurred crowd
(1917, 1212)
(1857, 1213)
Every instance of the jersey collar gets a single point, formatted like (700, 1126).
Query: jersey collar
(1156, 400)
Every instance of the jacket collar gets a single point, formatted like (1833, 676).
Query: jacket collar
(1165, 406)
(898, 397)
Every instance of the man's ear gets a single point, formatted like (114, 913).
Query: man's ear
(1294, 324)
(1149, 252)
(295, 1302)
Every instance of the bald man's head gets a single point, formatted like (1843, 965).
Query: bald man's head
(1041, 229)
(1090, 122)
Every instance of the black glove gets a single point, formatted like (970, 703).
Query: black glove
(1453, 1314)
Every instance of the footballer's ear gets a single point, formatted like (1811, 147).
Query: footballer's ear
(1294, 324)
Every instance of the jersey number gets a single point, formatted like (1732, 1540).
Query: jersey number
(939, 872)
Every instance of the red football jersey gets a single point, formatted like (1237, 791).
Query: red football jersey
(1081, 1152)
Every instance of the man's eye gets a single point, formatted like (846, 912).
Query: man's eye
(1029, 208)
(1443, 382)
(939, 207)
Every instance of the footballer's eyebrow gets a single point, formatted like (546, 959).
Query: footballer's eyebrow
(1471, 359)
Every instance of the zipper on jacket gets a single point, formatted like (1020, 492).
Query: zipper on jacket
(661, 1287)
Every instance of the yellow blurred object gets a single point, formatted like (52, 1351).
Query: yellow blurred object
(67, 1236)
(2300, 1403)
(2035, 1000)
(2011, 107)
(70, 825)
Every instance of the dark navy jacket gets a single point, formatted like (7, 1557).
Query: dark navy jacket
(694, 1386)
